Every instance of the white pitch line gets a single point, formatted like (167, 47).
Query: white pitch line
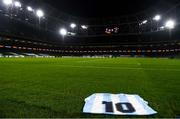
(92, 60)
(123, 68)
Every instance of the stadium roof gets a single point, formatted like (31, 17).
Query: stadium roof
(106, 8)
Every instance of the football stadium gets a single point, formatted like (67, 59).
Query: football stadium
(89, 59)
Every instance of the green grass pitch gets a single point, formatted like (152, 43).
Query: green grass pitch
(32, 87)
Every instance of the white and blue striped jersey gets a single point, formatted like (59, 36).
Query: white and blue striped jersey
(117, 104)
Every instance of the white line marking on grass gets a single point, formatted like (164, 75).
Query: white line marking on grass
(89, 60)
(122, 68)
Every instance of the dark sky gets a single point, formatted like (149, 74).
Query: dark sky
(106, 8)
(94, 8)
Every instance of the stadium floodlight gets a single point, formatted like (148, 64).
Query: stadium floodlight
(63, 31)
(29, 8)
(157, 18)
(170, 24)
(84, 27)
(162, 27)
(71, 34)
(17, 4)
(8, 2)
(39, 13)
(145, 21)
(73, 25)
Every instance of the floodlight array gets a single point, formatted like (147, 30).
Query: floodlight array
(39, 13)
(8, 2)
(63, 31)
(17, 4)
(169, 24)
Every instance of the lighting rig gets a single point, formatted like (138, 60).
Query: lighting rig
(73, 29)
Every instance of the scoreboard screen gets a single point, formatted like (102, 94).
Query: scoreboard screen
(114, 30)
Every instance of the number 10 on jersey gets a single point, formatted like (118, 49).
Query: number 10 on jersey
(121, 107)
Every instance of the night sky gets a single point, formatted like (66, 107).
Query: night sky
(106, 8)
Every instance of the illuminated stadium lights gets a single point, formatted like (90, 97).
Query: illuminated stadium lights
(17, 4)
(73, 25)
(162, 27)
(39, 13)
(8, 2)
(71, 33)
(170, 24)
(63, 31)
(145, 21)
(84, 27)
(30, 9)
(157, 18)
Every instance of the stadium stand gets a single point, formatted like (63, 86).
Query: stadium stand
(134, 35)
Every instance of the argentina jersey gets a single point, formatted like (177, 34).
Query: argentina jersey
(117, 104)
